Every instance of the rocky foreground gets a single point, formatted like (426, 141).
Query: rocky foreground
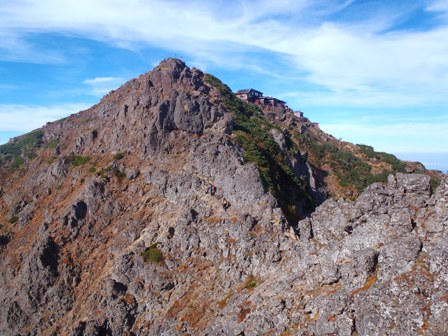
(108, 230)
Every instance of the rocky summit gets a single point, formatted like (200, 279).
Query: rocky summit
(109, 225)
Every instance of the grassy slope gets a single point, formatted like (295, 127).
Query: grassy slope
(349, 168)
(252, 133)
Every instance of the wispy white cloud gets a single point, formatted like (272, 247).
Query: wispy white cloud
(440, 6)
(14, 47)
(366, 96)
(397, 69)
(24, 118)
(8, 87)
(398, 137)
(352, 61)
(102, 85)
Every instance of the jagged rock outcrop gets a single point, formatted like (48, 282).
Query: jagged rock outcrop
(109, 230)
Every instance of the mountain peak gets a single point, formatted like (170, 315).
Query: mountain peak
(171, 64)
(173, 207)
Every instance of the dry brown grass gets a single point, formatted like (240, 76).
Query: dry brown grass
(245, 309)
(371, 280)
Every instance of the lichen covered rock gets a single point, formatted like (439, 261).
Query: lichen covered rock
(117, 234)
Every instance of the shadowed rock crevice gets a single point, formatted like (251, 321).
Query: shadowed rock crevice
(80, 208)
(104, 329)
(4, 240)
(50, 256)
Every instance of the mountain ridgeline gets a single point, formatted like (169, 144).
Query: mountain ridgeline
(108, 226)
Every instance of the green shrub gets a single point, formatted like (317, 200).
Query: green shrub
(367, 151)
(350, 169)
(85, 120)
(380, 177)
(153, 254)
(397, 165)
(118, 156)
(118, 173)
(92, 170)
(102, 173)
(252, 132)
(250, 282)
(24, 147)
(435, 182)
(13, 219)
(52, 144)
(107, 171)
(28, 141)
(77, 160)
(17, 163)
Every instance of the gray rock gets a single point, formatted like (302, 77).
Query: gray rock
(155, 254)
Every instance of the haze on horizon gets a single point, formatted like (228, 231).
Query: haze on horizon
(371, 72)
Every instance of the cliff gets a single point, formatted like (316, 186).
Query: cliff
(108, 229)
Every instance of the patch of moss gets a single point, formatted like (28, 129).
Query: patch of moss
(77, 160)
(250, 282)
(5, 230)
(152, 254)
(85, 120)
(17, 163)
(13, 219)
(52, 144)
(102, 173)
(118, 173)
(107, 171)
(435, 182)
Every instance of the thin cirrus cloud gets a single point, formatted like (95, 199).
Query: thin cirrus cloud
(13, 47)
(397, 137)
(22, 118)
(440, 6)
(346, 58)
(101, 85)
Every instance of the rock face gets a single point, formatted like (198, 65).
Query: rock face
(110, 231)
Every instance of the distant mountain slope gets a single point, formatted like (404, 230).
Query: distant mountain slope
(107, 225)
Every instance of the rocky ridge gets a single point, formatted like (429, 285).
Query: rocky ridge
(107, 229)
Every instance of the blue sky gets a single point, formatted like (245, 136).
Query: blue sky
(371, 72)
